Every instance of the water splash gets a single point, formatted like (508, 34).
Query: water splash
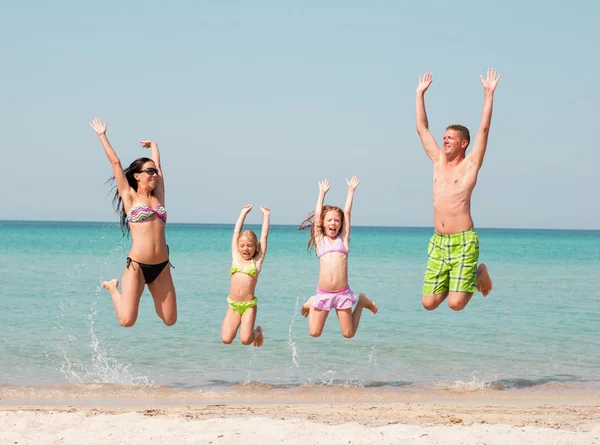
(252, 351)
(291, 342)
(474, 384)
(372, 365)
(91, 362)
(328, 377)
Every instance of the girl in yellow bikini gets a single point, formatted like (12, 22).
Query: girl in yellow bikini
(247, 256)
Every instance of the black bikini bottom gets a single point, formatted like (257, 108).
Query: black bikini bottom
(150, 271)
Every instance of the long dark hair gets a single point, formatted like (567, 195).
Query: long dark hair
(309, 223)
(134, 167)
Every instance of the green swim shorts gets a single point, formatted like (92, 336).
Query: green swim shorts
(452, 263)
(241, 306)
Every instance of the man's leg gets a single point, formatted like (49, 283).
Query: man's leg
(458, 300)
(437, 275)
(463, 275)
(484, 281)
(431, 302)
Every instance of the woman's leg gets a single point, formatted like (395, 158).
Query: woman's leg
(165, 300)
(127, 302)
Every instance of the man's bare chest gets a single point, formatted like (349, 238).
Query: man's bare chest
(451, 181)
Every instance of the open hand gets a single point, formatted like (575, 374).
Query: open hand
(98, 126)
(491, 81)
(324, 185)
(353, 183)
(424, 82)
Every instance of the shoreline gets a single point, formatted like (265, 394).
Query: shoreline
(86, 395)
(255, 413)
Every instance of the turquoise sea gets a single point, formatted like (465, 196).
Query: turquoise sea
(539, 328)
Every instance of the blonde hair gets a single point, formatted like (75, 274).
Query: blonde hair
(309, 222)
(252, 237)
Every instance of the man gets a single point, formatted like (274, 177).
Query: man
(454, 248)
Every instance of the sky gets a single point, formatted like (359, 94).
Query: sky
(253, 102)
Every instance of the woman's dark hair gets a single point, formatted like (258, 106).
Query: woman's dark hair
(134, 167)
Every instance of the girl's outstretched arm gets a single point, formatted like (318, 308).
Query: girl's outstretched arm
(122, 184)
(155, 156)
(264, 233)
(352, 184)
(238, 229)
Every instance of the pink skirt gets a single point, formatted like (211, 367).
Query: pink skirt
(336, 299)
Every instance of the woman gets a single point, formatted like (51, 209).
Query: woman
(139, 200)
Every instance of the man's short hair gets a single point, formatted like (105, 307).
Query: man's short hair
(464, 131)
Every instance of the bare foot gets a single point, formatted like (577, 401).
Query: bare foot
(484, 282)
(305, 309)
(259, 339)
(367, 304)
(110, 285)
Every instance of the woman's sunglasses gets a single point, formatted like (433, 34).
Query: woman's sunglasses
(151, 171)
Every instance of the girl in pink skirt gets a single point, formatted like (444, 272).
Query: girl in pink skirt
(330, 236)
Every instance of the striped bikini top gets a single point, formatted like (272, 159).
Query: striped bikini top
(142, 212)
(338, 246)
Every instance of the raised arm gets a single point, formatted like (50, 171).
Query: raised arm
(154, 153)
(155, 156)
(264, 233)
(480, 145)
(323, 189)
(122, 184)
(431, 147)
(238, 229)
(352, 184)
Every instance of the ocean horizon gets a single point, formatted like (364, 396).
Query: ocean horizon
(430, 227)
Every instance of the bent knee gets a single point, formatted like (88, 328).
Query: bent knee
(127, 322)
(247, 340)
(457, 305)
(227, 341)
(430, 306)
(170, 321)
(348, 334)
(315, 333)
(430, 303)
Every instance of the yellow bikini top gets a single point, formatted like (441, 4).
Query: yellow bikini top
(250, 269)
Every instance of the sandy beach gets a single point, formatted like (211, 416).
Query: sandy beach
(451, 419)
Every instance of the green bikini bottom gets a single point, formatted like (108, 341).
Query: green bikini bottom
(241, 306)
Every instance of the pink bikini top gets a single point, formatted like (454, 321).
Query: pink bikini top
(338, 246)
